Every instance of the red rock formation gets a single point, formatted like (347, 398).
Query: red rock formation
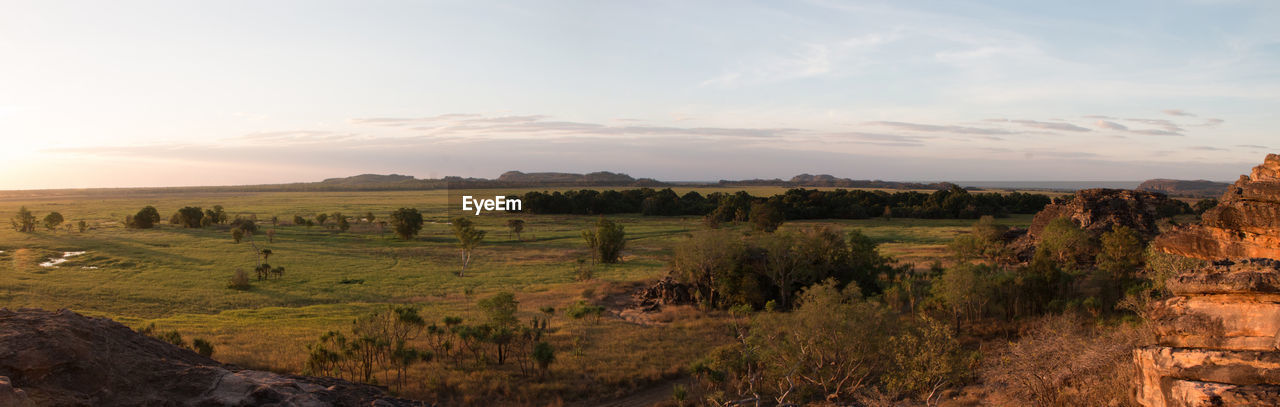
(1219, 336)
(1245, 224)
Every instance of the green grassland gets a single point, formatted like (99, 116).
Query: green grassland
(177, 278)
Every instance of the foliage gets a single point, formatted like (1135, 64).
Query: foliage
(202, 346)
(240, 280)
(794, 204)
(406, 222)
(1065, 360)
(146, 218)
(765, 217)
(82, 226)
(215, 215)
(190, 217)
(924, 359)
(500, 309)
(469, 237)
(24, 221)
(515, 226)
(52, 220)
(606, 241)
(1064, 242)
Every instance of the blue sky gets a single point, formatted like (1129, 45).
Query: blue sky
(129, 93)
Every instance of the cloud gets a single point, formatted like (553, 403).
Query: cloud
(1206, 148)
(1166, 124)
(806, 61)
(1050, 125)
(1253, 146)
(1211, 122)
(1155, 132)
(938, 128)
(1177, 112)
(1110, 125)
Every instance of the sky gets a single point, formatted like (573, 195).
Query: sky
(169, 93)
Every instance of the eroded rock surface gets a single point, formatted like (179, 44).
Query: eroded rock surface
(1218, 338)
(1097, 211)
(66, 359)
(1245, 224)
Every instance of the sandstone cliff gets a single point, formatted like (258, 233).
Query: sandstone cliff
(1246, 222)
(1218, 337)
(1097, 211)
(66, 359)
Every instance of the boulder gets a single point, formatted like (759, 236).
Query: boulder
(66, 359)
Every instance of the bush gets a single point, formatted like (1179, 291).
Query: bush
(407, 222)
(606, 241)
(52, 220)
(240, 280)
(146, 218)
(203, 347)
(1066, 360)
(189, 217)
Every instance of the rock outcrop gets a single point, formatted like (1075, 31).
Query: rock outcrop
(1218, 337)
(66, 359)
(667, 291)
(1097, 211)
(1246, 222)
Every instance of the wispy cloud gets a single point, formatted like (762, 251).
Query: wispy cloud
(1050, 125)
(940, 128)
(1177, 112)
(1110, 125)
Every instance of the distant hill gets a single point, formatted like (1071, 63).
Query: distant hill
(825, 180)
(1176, 187)
(599, 178)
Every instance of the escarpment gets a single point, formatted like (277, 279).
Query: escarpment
(1218, 337)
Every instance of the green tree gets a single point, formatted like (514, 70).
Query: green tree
(82, 226)
(606, 241)
(190, 217)
(298, 220)
(544, 354)
(368, 217)
(501, 309)
(1120, 256)
(237, 234)
(924, 360)
(321, 217)
(407, 222)
(52, 220)
(146, 218)
(765, 217)
(705, 260)
(24, 221)
(469, 237)
(343, 225)
(515, 226)
(1064, 242)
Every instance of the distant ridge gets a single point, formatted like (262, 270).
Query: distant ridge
(1175, 187)
(825, 180)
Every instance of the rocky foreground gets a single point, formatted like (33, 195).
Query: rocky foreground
(1218, 338)
(66, 359)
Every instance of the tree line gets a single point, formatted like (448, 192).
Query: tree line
(797, 203)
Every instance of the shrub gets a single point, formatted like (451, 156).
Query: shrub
(52, 220)
(239, 280)
(24, 221)
(203, 347)
(407, 222)
(146, 218)
(606, 241)
(190, 217)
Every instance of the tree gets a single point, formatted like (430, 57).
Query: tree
(606, 241)
(237, 234)
(321, 217)
(515, 226)
(52, 220)
(784, 265)
(705, 260)
(216, 215)
(1063, 242)
(24, 221)
(407, 222)
(964, 289)
(190, 217)
(368, 217)
(1120, 256)
(501, 309)
(343, 225)
(82, 226)
(924, 359)
(468, 239)
(146, 218)
(298, 220)
(765, 217)
(543, 354)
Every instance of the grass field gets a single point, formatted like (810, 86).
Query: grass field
(177, 278)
